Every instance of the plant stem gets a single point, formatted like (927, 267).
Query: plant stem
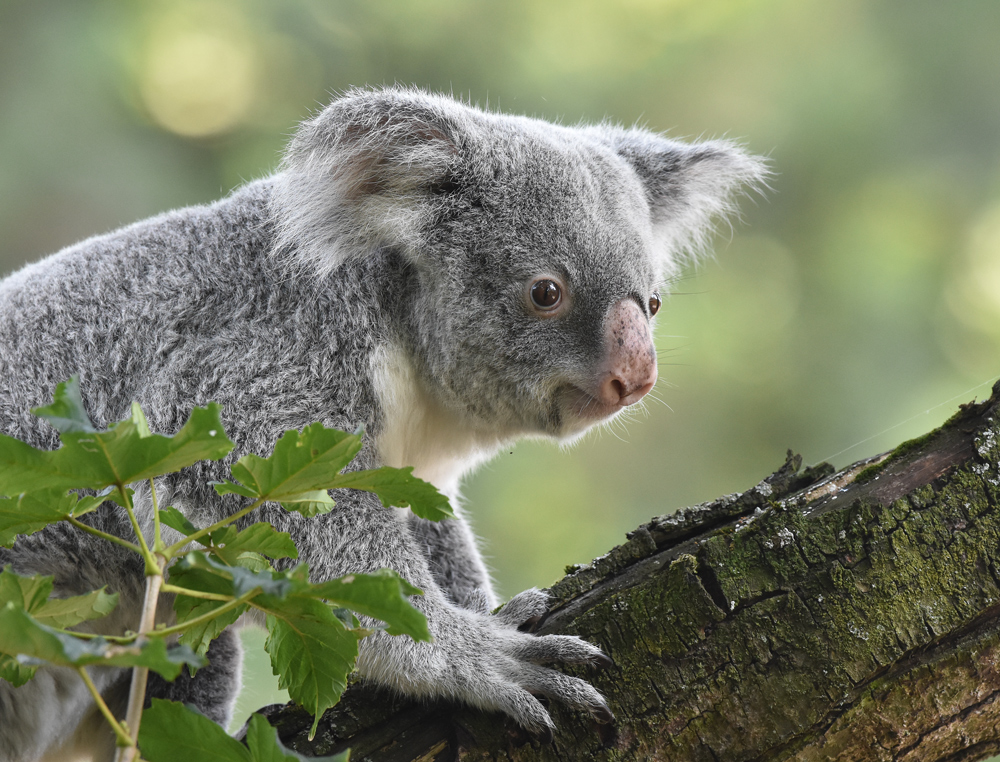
(119, 639)
(120, 734)
(110, 537)
(233, 603)
(167, 588)
(157, 541)
(152, 568)
(170, 550)
(137, 692)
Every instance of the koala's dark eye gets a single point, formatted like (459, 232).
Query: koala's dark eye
(654, 303)
(546, 294)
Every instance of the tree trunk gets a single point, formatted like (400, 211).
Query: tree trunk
(816, 616)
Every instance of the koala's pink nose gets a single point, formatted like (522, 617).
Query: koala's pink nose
(631, 356)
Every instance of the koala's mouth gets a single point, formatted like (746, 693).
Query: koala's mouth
(585, 407)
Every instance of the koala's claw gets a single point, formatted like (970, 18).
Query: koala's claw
(570, 690)
(567, 649)
(602, 661)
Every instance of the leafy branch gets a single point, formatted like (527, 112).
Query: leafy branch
(313, 641)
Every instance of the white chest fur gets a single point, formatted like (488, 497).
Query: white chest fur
(418, 431)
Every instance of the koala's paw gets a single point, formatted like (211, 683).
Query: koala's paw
(508, 675)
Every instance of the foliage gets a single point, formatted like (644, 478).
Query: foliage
(313, 636)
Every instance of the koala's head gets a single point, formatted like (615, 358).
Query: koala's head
(538, 254)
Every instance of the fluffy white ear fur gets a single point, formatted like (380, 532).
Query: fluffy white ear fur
(356, 176)
(688, 186)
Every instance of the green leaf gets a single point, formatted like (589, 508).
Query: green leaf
(226, 487)
(68, 612)
(311, 651)
(239, 579)
(398, 486)
(170, 731)
(228, 544)
(177, 520)
(66, 413)
(122, 455)
(309, 504)
(14, 672)
(32, 594)
(265, 746)
(21, 635)
(28, 593)
(31, 511)
(138, 418)
(301, 462)
(188, 607)
(382, 595)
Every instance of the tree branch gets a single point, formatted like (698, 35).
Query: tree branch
(816, 616)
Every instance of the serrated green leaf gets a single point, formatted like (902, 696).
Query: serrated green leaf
(188, 607)
(382, 595)
(265, 746)
(398, 486)
(170, 731)
(66, 413)
(309, 504)
(229, 544)
(199, 636)
(121, 455)
(32, 594)
(138, 418)
(14, 672)
(301, 462)
(226, 487)
(21, 635)
(240, 580)
(311, 651)
(174, 519)
(255, 562)
(67, 612)
(32, 511)
(28, 593)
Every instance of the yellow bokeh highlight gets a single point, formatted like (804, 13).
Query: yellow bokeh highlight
(196, 74)
(973, 296)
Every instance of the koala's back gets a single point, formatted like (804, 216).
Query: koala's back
(182, 309)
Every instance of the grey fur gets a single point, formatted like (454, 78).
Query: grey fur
(378, 279)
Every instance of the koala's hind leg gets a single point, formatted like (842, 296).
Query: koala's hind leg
(455, 562)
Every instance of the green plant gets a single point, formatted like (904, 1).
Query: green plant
(313, 630)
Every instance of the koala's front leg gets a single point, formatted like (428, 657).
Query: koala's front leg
(453, 556)
(475, 657)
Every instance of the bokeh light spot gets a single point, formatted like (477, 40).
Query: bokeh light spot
(198, 82)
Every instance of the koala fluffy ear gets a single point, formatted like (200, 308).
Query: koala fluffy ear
(358, 176)
(688, 186)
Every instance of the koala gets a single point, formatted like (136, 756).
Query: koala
(452, 279)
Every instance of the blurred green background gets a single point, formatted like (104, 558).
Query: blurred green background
(836, 318)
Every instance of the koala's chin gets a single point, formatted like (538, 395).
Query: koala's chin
(582, 411)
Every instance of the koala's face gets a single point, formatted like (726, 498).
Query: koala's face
(537, 251)
(538, 282)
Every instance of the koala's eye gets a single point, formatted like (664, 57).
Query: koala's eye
(654, 303)
(546, 294)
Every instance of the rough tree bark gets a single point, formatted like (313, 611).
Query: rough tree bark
(816, 616)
